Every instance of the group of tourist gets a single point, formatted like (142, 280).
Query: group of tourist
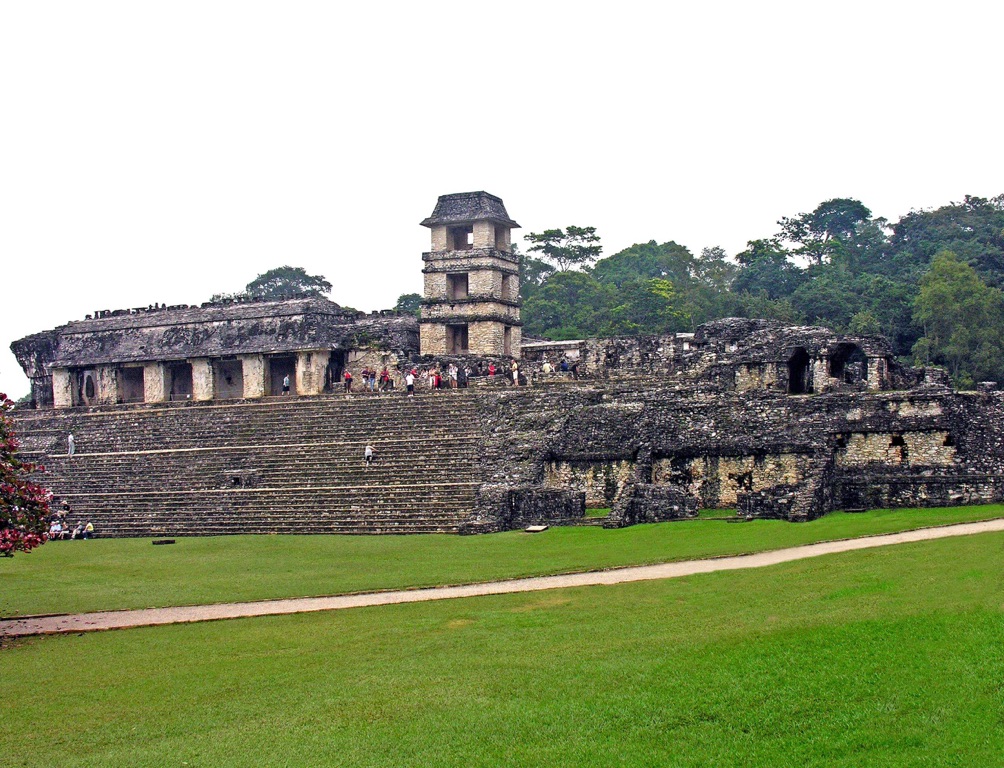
(60, 528)
(453, 376)
(372, 382)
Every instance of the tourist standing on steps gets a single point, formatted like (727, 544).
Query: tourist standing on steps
(347, 378)
(71, 445)
(384, 379)
(285, 384)
(491, 371)
(515, 373)
(409, 381)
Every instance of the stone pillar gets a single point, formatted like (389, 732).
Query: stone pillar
(820, 375)
(62, 388)
(253, 368)
(310, 369)
(108, 385)
(439, 242)
(154, 383)
(203, 386)
(877, 370)
(484, 234)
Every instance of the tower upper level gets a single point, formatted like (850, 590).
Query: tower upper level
(468, 220)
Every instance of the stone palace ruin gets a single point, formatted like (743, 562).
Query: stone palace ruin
(181, 427)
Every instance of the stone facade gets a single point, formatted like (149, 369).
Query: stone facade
(216, 351)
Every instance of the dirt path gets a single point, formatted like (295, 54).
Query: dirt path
(86, 622)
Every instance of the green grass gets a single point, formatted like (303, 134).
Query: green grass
(716, 514)
(73, 576)
(886, 657)
(598, 512)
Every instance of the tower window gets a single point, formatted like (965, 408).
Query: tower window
(461, 238)
(456, 339)
(456, 286)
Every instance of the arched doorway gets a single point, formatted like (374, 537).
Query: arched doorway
(849, 364)
(799, 382)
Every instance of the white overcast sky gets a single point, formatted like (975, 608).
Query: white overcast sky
(166, 151)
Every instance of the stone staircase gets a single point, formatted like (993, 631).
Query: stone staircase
(283, 465)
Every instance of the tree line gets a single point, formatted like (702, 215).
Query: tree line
(931, 282)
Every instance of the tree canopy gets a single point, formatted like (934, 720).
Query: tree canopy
(565, 249)
(409, 302)
(930, 282)
(287, 283)
(280, 283)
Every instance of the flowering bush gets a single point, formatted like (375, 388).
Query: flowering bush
(24, 505)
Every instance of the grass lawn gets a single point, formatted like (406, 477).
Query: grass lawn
(73, 576)
(886, 657)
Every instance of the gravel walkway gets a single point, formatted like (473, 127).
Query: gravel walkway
(87, 622)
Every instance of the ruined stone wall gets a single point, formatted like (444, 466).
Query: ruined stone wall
(718, 480)
(766, 452)
(601, 481)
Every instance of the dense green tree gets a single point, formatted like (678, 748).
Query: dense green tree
(764, 268)
(532, 272)
(817, 236)
(962, 319)
(644, 261)
(409, 302)
(573, 247)
(972, 229)
(569, 305)
(287, 283)
(649, 306)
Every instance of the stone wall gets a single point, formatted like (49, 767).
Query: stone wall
(766, 452)
(602, 482)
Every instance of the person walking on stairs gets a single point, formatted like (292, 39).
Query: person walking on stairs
(368, 455)
(71, 445)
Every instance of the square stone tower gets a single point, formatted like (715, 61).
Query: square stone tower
(471, 303)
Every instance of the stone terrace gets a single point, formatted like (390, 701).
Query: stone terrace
(285, 466)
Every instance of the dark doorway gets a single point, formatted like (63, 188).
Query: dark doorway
(179, 376)
(228, 377)
(849, 364)
(456, 339)
(278, 369)
(799, 382)
(87, 388)
(333, 374)
(131, 385)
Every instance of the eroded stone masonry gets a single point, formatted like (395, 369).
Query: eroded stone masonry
(775, 421)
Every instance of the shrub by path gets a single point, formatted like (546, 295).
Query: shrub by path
(85, 622)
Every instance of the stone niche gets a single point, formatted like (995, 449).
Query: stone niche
(602, 481)
(717, 481)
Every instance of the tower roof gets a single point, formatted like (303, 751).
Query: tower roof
(468, 207)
